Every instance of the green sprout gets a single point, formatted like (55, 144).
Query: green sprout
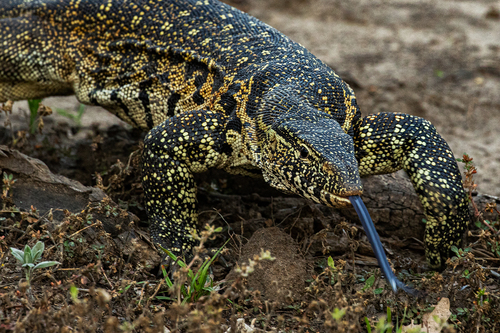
(33, 105)
(29, 257)
(71, 115)
(198, 285)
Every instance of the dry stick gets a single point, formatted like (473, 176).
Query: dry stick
(156, 292)
(483, 255)
(104, 273)
(90, 226)
(142, 293)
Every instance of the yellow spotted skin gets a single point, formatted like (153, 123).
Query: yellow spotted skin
(217, 88)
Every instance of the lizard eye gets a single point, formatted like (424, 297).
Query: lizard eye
(304, 152)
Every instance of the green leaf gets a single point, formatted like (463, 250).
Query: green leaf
(455, 250)
(29, 264)
(338, 314)
(378, 291)
(201, 277)
(331, 263)
(44, 264)
(173, 257)
(369, 282)
(127, 287)
(18, 254)
(27, 254)
(190, 274)
(37, 251)
(389, 314)
(165, 275)
(439, 73)
(209, 263)
(368, 326)
(480, 225)
(73, 291)
(33, 105)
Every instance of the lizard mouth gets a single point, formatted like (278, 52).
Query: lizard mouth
(330, 199)
(334, 200)
(325, 197)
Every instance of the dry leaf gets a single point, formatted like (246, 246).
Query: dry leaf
(435, 321)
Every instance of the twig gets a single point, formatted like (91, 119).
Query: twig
(162, 282)
(90, 226)
(142, 293)
(104, 273)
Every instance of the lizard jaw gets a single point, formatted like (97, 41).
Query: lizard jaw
(331, 200)
(334, 200)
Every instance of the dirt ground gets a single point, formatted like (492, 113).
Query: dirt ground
(437, 60)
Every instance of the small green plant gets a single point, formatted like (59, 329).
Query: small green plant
(495, 247)
(459, 252)
(470, 171)
(328, 275)
(369, 283)
(8, 181)
(69, 248)
(99, 248)
(386, 327)
(198, 285)
(332, 270)
(439, 73)
(73, 291)
(381, 326)
(29, 257)
(33, 105)
(189, 286)
(482, 297)
(111, 210)
(338, 314)
(70, 115)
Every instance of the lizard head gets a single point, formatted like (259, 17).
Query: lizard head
(308, 153)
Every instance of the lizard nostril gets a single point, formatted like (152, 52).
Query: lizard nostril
(348, 184)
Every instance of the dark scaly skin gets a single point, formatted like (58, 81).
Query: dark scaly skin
(224, 90)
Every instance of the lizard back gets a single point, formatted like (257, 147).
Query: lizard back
(146, 61)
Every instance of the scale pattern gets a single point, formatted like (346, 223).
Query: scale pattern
(217, 88)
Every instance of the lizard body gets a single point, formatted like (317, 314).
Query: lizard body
(217, 88)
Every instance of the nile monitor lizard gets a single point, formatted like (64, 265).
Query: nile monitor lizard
(217, 88)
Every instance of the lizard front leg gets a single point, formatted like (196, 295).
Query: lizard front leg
(182, 145)
(388, 142)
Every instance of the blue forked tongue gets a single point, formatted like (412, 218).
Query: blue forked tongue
(374, 239)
